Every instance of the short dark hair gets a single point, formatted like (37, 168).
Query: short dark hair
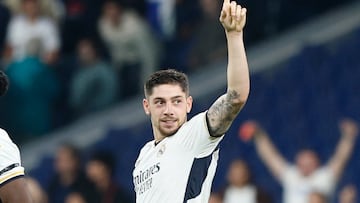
(168, 76)
(4, 83)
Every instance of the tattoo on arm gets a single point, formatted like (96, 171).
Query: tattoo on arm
(223, 112)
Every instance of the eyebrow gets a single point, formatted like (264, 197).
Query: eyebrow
(174, 97)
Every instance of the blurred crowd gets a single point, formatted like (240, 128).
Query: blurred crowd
(89, 176)
(67, 58)
(76, 182)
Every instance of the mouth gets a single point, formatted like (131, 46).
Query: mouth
(168, 122)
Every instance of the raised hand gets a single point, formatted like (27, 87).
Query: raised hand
(233, 16)
(348, 127)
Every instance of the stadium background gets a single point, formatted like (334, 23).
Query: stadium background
(304, 78)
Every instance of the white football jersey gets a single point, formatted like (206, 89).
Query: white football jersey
(180, 168)
(297, 188)
(10, 163)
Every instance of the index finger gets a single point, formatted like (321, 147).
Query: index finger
(226, 2)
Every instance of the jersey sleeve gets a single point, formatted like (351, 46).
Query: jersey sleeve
(10, 163)
(195, 136)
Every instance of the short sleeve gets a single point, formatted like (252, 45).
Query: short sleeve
(195, 136)
(10, 163)
(288, 174)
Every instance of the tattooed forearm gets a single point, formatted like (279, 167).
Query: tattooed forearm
(222, 113)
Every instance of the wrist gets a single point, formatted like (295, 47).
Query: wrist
(234, 34)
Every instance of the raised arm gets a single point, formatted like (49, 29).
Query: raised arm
(221, 114)
(349, 130)
(264, 147)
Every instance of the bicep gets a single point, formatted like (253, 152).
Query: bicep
(15, 191)
(223, 112)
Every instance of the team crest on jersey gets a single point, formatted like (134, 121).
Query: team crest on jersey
(161, 150)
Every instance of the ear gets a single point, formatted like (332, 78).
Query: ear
(146, 106)
(189, 102)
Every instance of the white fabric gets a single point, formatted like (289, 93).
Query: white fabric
(246, 194)
(297, 187)
(161, 172)
(9, 155)
(21, 32)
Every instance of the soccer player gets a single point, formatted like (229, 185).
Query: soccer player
(299, 180)
(13, 188)
(179, 164)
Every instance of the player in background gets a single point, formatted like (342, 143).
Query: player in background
(179, 164)
(299, 180)
(13, 188)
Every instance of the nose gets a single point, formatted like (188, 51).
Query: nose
(168, 109)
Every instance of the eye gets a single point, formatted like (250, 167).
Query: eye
(159, 102)
(177, 101)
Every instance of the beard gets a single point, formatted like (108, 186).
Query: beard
(168, 126)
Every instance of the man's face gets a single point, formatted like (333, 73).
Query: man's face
(97, 172)
(307, 162)
(31, 8)
(238, 174)
(65, 163)
(167, 106)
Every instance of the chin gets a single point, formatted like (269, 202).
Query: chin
(168, 132)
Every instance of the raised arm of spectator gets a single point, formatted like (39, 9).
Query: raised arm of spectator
(349, 131)
(265, 148)
(225, 109)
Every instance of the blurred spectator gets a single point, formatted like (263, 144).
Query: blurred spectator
(161, 15)
(215, 198)
(307, 175)
(36, 191)
(241, 188)
(94, 84)
(69, 177)
(100, 169)
(348, 194)
(74, 198)
(37, 28)
(4, 20)
(317, 197)
(177, 48)
(79, 22)
(29, 109)
(209, 42)
(133, 49)
(51, 8)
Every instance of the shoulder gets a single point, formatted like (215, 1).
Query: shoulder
(45, 21)
(199, 118)
(18, 19)
(4, 135)
(197, 122)
(147, 146)
(16, 22)
(324, 171)
(290, 172)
